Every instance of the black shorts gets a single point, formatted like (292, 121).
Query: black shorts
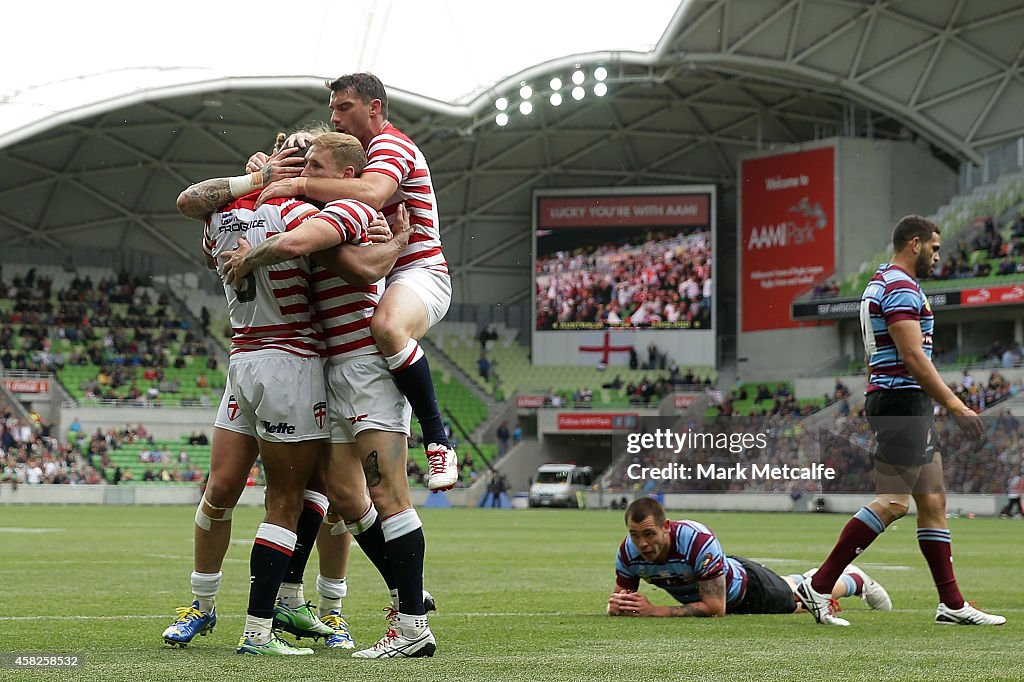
(902, 422)
(767, 591)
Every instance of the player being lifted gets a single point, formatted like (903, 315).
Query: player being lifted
(235, 448)
(419, 289)
(369, 416)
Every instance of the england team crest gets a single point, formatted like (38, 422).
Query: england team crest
(233, 408)
(320, 413)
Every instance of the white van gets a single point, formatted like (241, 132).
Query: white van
(557, 485)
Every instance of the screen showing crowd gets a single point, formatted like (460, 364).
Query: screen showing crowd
(615, 277)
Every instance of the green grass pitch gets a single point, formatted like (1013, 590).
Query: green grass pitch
(521, 597)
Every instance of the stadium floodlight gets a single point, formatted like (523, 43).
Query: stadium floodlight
(556, 83)
(600, 89)
(600, 73)
(526, 92)
(501, 119)
(501, 104)
(578, 77)
(556, 99)
(578, 93)
(525, 108)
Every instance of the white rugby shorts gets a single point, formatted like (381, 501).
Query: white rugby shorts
(280, 397)
(363, 396)
(433, 287)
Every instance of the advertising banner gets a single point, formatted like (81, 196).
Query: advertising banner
(787, 233)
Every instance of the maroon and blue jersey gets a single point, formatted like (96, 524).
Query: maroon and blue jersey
(891, 296)
(694, 555)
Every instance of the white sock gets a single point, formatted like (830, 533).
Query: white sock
(411, 626)
(331, 591)
(394, 599)
(290, 595)
(204, 588)
(257, 630)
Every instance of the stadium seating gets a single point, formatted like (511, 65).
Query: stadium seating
(751, 406)
(127, 458)
(38, 322)
(512, 372)
(1002, 199)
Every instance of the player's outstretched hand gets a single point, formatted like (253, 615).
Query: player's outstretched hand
(969, 422)
(292, 187)
(256, 162)
(234, 269)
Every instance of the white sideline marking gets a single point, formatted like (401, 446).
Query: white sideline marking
(180, 557)
(19, 529)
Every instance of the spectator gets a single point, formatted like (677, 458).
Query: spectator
(503, 436)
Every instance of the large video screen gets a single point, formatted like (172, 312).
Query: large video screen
(609, 260)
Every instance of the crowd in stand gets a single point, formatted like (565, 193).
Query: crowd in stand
(664, 281)
(775, 402)
(139, 343)
(31, 454)
(979, 396)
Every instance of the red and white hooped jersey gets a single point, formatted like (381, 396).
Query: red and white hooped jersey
(392, 153)
(273, 308)
(344, 310)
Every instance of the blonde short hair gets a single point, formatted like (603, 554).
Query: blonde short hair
(345, 149)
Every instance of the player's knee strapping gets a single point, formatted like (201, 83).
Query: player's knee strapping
(203, 518)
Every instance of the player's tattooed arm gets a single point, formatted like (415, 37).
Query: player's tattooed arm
(712, 598)
(244, 259)
(686, 611)
(203, 198)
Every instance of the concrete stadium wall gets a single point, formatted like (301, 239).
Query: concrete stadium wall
(880, 182)
(982, 505)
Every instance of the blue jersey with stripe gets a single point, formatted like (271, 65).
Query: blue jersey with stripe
(892, 295)
(694, 555)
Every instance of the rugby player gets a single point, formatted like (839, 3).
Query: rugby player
(369, 421)
(288, 328)
(419, 290)
(685, 559)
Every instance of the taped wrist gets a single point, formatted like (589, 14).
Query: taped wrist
(240, 185)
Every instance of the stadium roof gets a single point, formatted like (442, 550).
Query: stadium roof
(95, 144)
